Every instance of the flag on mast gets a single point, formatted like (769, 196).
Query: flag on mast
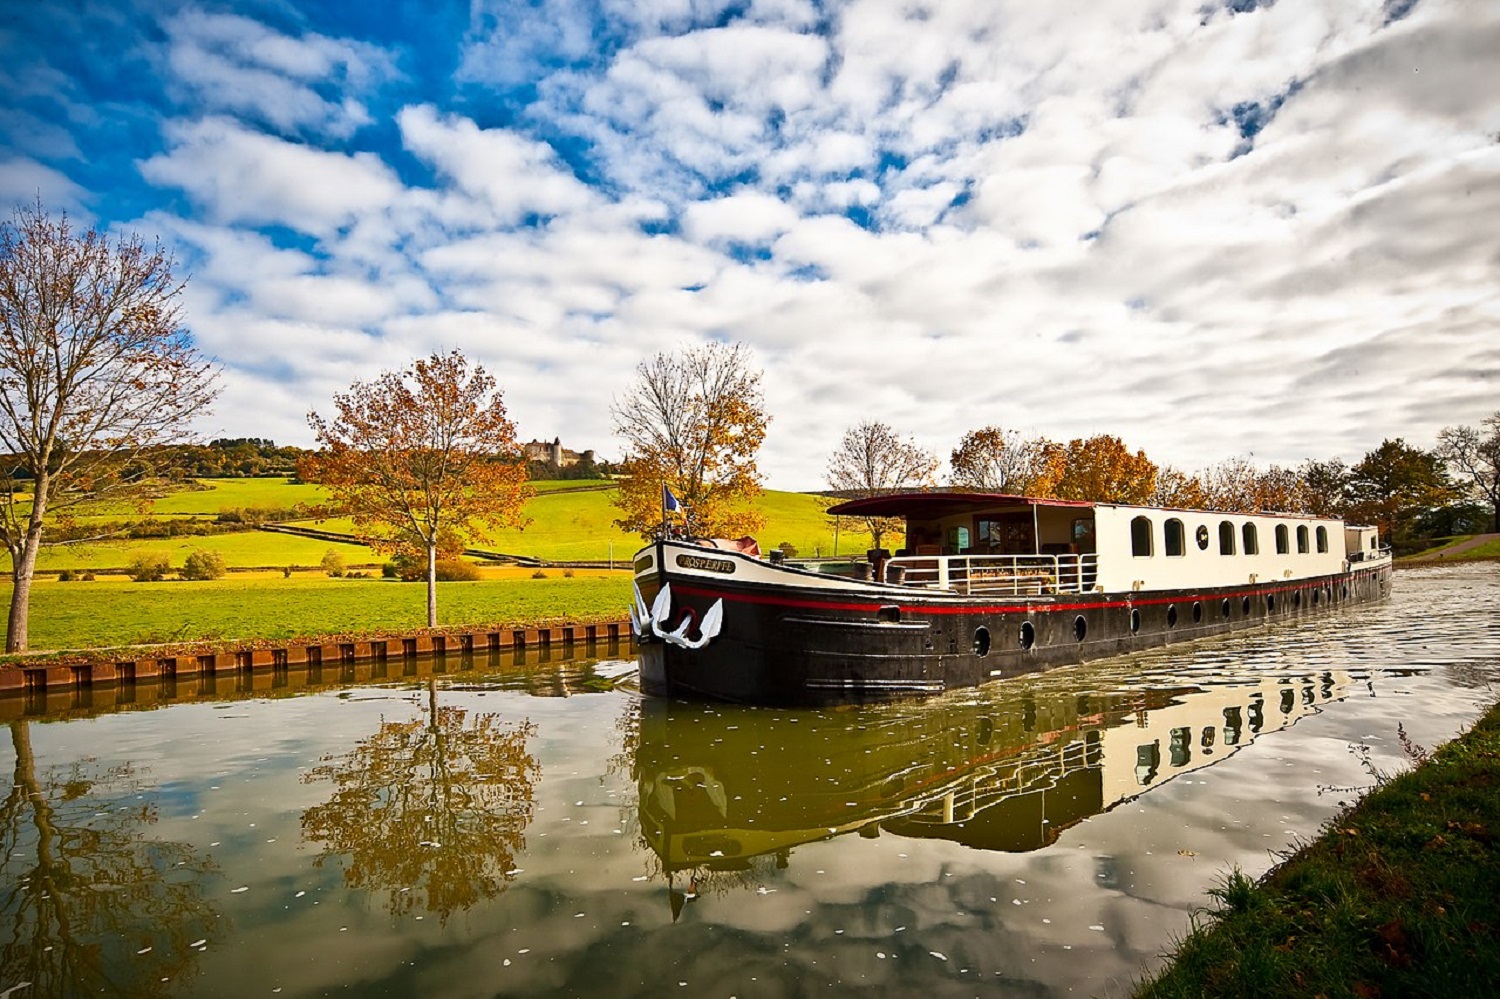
(668, 501)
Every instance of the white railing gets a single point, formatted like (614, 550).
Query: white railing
(1015, 575)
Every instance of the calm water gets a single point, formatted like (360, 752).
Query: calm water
(537, 833)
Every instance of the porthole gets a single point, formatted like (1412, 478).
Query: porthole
(1171, 615)
(1224, 608)
(1201, 535)
(1135, 621)
(1317, 597)
(981, 641)
(1270, 602)
(1244, 606)
(1028, 634)
(1296, 599)
(1197, 612)
(1080, 627)
(1344, 592)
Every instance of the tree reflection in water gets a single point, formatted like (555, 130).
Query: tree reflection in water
(432, 810)
(90, 905)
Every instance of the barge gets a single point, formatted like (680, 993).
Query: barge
(989, 586)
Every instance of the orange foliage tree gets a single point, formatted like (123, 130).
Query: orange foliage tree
(422, 456)
(1103, 469)
(96, 369)
(995, 460)
(1176, 488)
(693, 421)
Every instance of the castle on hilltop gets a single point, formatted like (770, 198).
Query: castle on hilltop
(555, 454)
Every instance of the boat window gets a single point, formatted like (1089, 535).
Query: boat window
(1140, 536)
(1302, 545)
(1322, 539)
(1226, 538)
(1175, 543)
(1283, 540)
(1252, 540)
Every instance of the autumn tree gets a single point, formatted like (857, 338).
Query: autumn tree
(692, 421)
(1104, 470)
(1176, 488)
(432, 809)
(995, 460)
(96, 369)
(1474, 452)
(422, 459)
(1395, 485)
(872, 459)
(1324, 486)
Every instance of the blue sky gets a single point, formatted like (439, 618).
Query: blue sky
(1211, 228)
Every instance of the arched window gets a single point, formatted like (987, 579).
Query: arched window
(1322, 540)
(1140, 536)
(1226, 538)
(1302, 540)
(1175, 543)
(1252, 540)
(1283, 540)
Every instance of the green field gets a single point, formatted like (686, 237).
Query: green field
(569, 522)
(104, 614)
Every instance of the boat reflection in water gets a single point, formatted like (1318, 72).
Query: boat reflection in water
(1008, 768)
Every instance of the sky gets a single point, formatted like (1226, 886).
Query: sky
(1212, 228)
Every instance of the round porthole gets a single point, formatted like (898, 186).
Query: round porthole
(1197, 612)
(981, 641)
(1224, 608)
(1135, 621)
(1028, 634)
(1171, 615)
(1080, 627)
(1270, 602)
(1202, 537)
(1244, 606)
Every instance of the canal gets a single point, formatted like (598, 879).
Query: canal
(483, 828)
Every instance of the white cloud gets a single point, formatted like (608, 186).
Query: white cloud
(238, 175)
(235, 64)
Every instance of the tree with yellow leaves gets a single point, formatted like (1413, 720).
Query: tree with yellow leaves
(693, 421)
(421, 459)
(995, 460)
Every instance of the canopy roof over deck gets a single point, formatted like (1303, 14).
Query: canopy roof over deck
(936, 505)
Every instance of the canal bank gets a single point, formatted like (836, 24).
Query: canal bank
(1398, 896)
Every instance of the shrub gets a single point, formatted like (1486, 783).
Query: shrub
(452, 570)
(286, 573)
(567, 574)
(203, 565)
(390, 571)
(66, 576)
(148, 567)
(333, 563)
(539, 574)
(88, 577)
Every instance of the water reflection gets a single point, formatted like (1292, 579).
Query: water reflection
(92, 905)
(431, 810)
(726, 790)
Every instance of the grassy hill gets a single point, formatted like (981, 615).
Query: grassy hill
(569, 521)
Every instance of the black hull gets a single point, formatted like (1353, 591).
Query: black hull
(785, 645)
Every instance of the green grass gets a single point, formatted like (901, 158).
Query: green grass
(102, 614)
(241, 550)
(1398, 897)
(1490, 549)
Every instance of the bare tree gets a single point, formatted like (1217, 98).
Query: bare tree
(1475, 452)
(422, 458)
(95, 369)
(692, 421)
(872, 459)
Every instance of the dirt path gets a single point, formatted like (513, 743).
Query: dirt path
(1456, 549)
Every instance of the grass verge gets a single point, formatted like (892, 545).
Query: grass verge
(1400, 896)
(246, 607)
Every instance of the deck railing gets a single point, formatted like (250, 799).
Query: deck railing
(1001, 575)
